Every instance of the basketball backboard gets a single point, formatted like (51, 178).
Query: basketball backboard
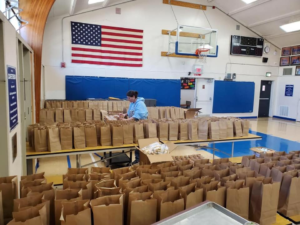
(189, 38)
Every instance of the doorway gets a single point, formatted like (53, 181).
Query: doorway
(264, 98)
(204, 95)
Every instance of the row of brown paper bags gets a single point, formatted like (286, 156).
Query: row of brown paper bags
(50, 116)
(166, 113)
(101, 105)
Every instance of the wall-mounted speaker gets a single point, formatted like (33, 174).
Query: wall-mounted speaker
(264, 60)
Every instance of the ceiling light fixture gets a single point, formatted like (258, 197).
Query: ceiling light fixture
(290, 27)
(249, 1)
(95, 1)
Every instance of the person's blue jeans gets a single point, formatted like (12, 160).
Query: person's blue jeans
(137, 155)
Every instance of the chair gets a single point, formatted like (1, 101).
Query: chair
(187, 105)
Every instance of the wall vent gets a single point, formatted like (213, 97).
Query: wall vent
(287, 71)
(284, 111)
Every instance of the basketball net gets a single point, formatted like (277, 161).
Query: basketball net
(202, 54)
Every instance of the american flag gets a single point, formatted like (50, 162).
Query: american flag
(106, 45)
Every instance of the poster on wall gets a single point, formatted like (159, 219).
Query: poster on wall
(295, 50)
(12, 97)
(295, 60)
(289, 90)
(187, 83)
(286, 51)
(284, 61)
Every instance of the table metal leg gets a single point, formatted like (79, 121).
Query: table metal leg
(130, 156)
(232, 149)
(78, 161)
(29, 163)
(110, 160)
(214, 150)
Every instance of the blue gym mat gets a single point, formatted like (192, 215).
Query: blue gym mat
(243, 148)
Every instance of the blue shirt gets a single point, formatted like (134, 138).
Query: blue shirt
(138, 110)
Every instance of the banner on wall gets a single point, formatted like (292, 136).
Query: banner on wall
(289, 90)
(12, 97)
(106, 45)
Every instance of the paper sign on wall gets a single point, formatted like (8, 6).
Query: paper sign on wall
(12, 97)
(289, 90)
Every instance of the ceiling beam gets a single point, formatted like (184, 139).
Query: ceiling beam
(73, 6)
(284, 16)
(272, 36)
(250, 6)
(105, 3)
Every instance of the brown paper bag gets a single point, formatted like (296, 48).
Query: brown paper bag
(76, 213)
(31, 216)
(91, 136)
(40, 139)
(142, 209)
(214, 130)
(53, 140)
(108, 210)
(117, 135)
(223, 129)
(180, 182)
(138, 132)
(289, 201)
(74, 115)
(163, 131)
(59, 115)
(88, 115)
(150, 130)
(193, 130)
(202, 130)
(264, 201)
(238, 197)
(128, 134)
(183, 131)
(79, 137)
(63, 196)
(214, 193)
(105, 136)
(171, 203)
(246, 160)
(67, 116)
(81, 116)
(43, 115)
(66, 138)
(50, 117)
(237, 128)
(230, 132)
(191, 196)
(8, 188)
(72, 178)
(245, 127)
(96, 114)
(173, 131)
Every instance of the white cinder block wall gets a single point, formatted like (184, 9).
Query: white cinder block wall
(152, 16)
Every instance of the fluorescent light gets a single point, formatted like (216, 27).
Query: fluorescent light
(249, 1)
(95, 1)
(290, 27)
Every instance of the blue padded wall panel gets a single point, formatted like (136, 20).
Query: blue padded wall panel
(233, 97)
(166, 92)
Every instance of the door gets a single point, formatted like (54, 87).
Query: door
(264, 99)
(298, 110)
(204, 93)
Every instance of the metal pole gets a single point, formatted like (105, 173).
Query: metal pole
(232, 149)
(213, 150)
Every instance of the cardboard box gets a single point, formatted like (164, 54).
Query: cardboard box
(190, 113)
(174, 150)
(258, 151)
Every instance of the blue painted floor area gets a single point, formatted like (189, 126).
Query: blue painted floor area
(243, 148)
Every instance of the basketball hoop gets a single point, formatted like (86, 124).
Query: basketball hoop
(202, 54)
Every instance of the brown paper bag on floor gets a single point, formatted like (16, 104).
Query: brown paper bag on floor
(67, 116)
(214, 193)
(105, 136)
(180, 182)
(66, 138)
(193, 130)
(108, 210)
(289, 201)
(173, 131)
(128, 134)
(223, 129)
(203, 130)
(79, 137)
(142, 209)
(72, 177)
(246, 160)
(183, 131)
(171, 203)
(59, 115)
(8, 188)
(91, 136)
(191, 196)
(117, 135)
(238, 197)
(43, 115)
(76, 213)
(50, 117)
(264, 201)
(31, 216)
(214, 130)
(40, 139)
(237, 128)
(138, 132)
(53, 140)
(163, 131)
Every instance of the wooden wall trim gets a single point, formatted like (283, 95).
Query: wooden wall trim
(36, 13)
(185, 4)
